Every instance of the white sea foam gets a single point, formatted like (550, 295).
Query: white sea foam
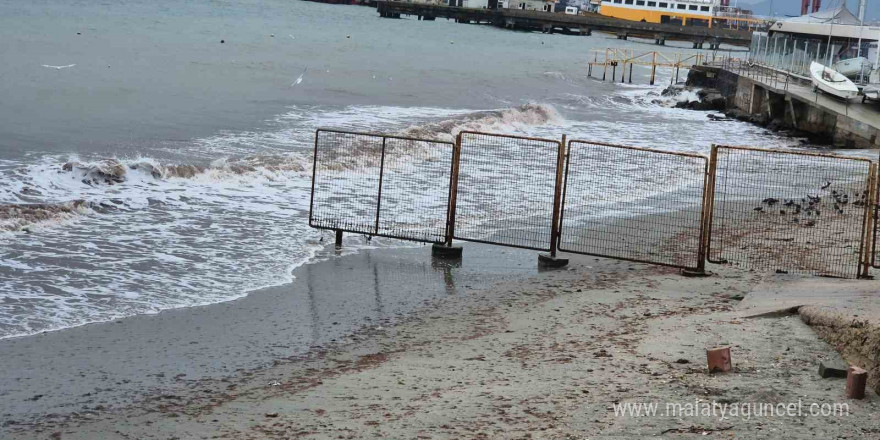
(138, 235)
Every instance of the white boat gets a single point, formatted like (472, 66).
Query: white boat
(853, 66)
(832, 82)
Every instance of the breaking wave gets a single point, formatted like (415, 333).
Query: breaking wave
(20, 217)
(40, 194)
(511, 120)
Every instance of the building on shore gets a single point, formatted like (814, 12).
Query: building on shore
(707, 13)
(826, 37)
(529, 5)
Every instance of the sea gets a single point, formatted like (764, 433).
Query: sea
(203, 115)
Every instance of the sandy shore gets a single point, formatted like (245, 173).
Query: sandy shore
(508, 352)
(87, 369)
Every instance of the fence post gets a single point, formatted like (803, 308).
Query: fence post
(381, 174)
(867, 246)
(709, 204)
(551, 260)
(708, 199)
(446, 250)
(453, 189)
(557, 197)
(875, 211)
(314, 174)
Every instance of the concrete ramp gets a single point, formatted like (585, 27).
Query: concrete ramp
(786, 293)
(843, 313)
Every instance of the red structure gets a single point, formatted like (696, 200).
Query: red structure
(816, 5)
(805, 7)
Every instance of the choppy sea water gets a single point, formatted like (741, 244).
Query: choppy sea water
(168, 170)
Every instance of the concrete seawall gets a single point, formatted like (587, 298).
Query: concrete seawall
(793, 106)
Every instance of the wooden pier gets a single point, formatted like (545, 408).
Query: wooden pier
(551, 22)
(612, 58)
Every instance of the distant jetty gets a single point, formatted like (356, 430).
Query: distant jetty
(347, 2)
(550, 22)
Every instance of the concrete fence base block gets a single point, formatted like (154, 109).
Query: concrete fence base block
(826, 371)
(549, 262)
(440, 250)
(856, 379)
(695, 273)
(718, 359)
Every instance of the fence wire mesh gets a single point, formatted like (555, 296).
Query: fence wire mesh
(633, 204)
(415, 189)
(381, 185)
(789, 211)
(506, 189)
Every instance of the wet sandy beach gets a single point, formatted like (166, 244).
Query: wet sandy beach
(500, 352)
(108, 365)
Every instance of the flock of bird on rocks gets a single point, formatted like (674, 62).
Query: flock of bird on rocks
(806, 210)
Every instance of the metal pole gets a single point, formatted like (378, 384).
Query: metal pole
(557, 197)
(314, 174)
(453, 189)
(766, 48)
(339, 238)
(867, 224)
(806, 52)
(653, 68)
(709, 205)
(630, 73)
(379, 194)
(784, 49)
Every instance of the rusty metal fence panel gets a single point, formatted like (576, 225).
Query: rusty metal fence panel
(790, 211)
(634, 204)
(506, 190)
(381, 185)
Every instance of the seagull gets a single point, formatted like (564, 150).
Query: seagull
(300, 79)
(291, 36)
(59, 67)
